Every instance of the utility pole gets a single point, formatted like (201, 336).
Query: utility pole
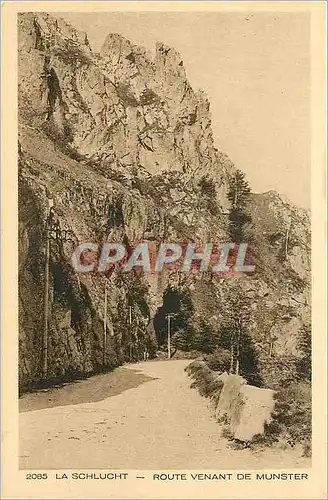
(48, 225)
(238, 353)
(45, 308)
(105, 327)
(169, 316)
(55, 233)
(130, 332)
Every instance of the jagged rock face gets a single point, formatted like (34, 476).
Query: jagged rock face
(120, 141)
(121, 107)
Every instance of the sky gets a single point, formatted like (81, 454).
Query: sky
(255, 69)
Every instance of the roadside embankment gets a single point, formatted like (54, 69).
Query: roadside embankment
(245, 408)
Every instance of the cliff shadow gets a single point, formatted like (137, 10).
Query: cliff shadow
(90, 390)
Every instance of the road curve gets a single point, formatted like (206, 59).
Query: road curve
(160, 424)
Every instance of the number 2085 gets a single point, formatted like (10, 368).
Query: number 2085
(37, 476)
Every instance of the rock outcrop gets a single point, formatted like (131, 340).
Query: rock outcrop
(245, 409)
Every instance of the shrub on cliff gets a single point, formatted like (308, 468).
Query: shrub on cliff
(291, 418)
(304, 362)
(208, 193)
(70, 53)
(206, 337)
(206, 381)
(184, 338)
(219, 360)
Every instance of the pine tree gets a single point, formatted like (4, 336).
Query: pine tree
(238, 195)
(207, 338)
(234, 335)
(239, 189)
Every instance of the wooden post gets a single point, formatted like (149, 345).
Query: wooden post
(231, 356)
(105, 327)
(48, 227)
(130, 331)
(238, 353)
(169, 336)
(287, 238)
(45, 308)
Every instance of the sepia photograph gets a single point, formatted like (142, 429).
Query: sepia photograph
(164, 272)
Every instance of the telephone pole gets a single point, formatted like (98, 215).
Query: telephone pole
(48, 226)
(105, 327)
(45, 308)
(130, 332)
(53, 232)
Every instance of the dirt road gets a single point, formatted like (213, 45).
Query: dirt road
(156, 422)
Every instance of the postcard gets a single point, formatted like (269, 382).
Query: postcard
(163, 256)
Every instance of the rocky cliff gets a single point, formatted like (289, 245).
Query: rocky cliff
(122, 144)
